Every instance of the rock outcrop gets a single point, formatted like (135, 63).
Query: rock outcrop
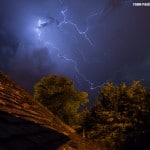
(26, 124)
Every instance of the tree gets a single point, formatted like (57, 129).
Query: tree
(59, 95)
(120, 115)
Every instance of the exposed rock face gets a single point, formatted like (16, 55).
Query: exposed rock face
(25, 124)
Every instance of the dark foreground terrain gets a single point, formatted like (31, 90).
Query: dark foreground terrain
(25, 124)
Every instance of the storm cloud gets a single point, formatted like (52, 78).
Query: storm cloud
(119, 33)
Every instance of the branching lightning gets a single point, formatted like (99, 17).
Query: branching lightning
(41, 24)
(92, 85)
(83, 33)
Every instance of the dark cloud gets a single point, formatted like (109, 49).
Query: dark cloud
(8, 48)
(28, 68)
(119, 32)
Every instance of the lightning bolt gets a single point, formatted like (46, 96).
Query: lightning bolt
(92, 86)
(83, 33)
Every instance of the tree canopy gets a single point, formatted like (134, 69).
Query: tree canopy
(60, 96)
(121, 114)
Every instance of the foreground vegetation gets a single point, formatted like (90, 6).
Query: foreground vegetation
(120, 115)
(59, 95)
(119, 118)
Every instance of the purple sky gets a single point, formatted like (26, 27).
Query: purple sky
(91, 42)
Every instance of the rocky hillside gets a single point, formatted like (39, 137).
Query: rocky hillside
(26, 124)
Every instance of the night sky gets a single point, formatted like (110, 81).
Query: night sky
(89, 41)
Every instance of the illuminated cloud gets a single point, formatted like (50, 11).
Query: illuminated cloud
(90, 42)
